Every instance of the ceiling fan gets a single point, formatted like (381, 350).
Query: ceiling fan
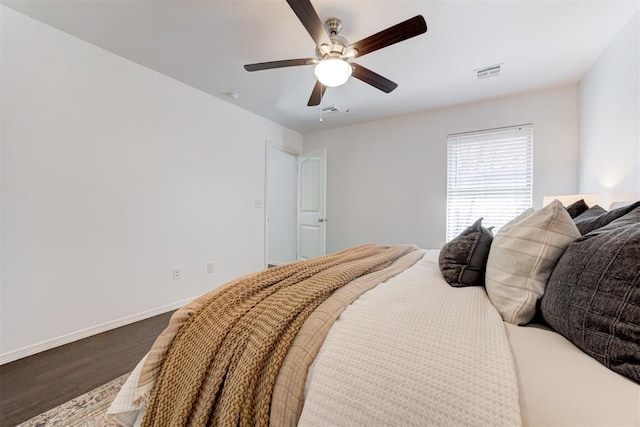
(333, 66)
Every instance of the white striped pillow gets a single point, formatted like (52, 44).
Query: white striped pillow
(521, 260)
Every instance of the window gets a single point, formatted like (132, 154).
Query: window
(489, 175)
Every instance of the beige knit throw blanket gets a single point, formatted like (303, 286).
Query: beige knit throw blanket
(217, 361)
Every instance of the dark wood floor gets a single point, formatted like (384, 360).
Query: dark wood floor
(37, 383)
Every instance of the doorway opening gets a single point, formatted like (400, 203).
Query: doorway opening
(295, 221)
(281, 206)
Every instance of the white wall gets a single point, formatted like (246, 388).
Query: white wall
(386, 180)
(609, 117)
(112, 175)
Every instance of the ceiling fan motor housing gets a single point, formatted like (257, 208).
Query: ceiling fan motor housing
(338, 43)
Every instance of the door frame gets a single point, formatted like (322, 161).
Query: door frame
(272, 145)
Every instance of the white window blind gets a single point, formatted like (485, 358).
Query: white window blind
(489, 175)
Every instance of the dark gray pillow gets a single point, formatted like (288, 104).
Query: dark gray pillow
(576, 208)
(596, 217)
(593, 295)
(463, 260)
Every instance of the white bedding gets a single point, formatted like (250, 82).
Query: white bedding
(373, 369)
(562, 386)
(415, 351)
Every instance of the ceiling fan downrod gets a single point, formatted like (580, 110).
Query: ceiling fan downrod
(333, 26)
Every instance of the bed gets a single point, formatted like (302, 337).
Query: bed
(396, 335)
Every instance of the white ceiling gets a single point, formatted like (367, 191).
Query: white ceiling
(206, 43)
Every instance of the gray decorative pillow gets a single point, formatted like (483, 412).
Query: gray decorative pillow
(596, 217)
(576, 208)
(593, 295)
(522, 257)
(463, 260)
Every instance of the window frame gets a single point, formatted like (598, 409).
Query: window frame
(489, 175)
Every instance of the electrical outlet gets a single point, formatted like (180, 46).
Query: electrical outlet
(210, 267)
(176, 274)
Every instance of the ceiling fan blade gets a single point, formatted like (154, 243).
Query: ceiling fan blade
(310, 20)
(280, 64)
(399, 32)
(316, 95)
(374, 79)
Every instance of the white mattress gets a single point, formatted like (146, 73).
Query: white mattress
(559, 385)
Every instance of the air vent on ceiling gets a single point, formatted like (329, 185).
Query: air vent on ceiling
(490, 71)
(331, 109)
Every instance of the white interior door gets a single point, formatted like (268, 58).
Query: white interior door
(312, 222)
(281, 194)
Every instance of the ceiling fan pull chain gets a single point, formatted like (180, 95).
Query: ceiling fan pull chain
(349, 96)
(321, 119)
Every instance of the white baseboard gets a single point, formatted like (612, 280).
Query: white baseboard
(84, 333)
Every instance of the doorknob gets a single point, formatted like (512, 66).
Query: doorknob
(322, 220)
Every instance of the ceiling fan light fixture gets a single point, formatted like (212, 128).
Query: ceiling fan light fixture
(333, 72)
